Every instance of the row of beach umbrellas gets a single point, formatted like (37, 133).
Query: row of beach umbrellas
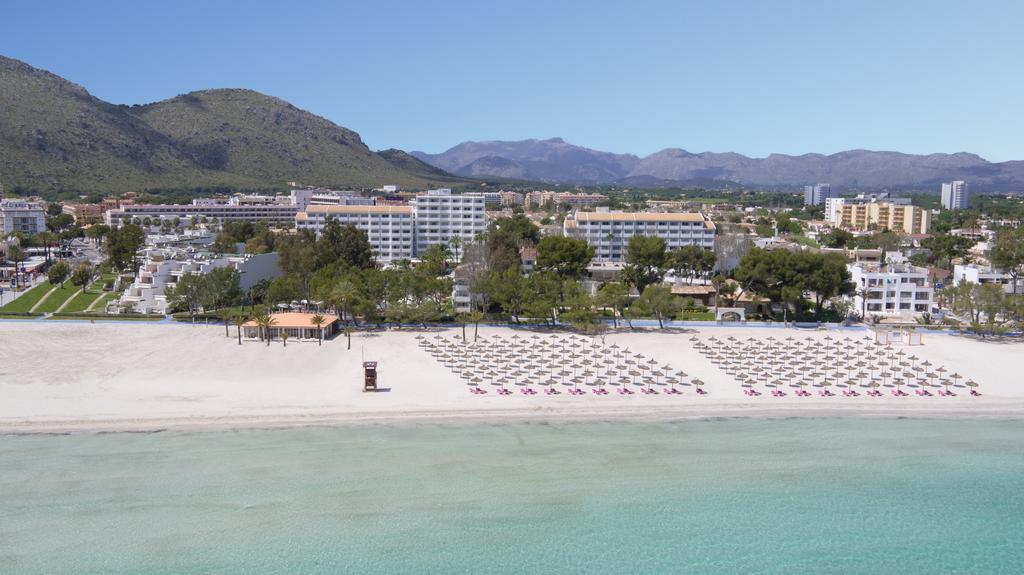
(555, 363)
(848, 363)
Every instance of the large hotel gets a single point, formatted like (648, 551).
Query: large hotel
(900, 218)
(609, 232)
(399, 232)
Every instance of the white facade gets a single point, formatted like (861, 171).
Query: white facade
(954, 195)
(891, 290)
(974, 273)
(21, 216)
(609, 232)
(273, 213)
(441, 215)
(403, 232)
(816, 195)
(163, 267)
(389, 229)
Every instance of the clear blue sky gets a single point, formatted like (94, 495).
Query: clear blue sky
(749, 76)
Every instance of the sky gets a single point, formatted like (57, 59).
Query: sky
(755, 77)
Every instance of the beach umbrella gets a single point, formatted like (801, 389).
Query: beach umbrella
(697, 383)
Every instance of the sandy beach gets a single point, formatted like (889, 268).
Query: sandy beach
(65, 377)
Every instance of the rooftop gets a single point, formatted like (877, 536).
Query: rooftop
(295, 320)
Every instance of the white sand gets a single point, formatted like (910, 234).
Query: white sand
(57, 377)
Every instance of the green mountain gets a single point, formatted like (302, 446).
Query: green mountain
(56, 137)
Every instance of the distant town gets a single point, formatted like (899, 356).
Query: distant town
(577, 258)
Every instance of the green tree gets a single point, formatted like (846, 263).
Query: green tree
(694, 262)
(17, 255)
(123, 244)
(59, 273)
(567, 257)
(645, 262)
(318, 321)
(344, 296)
(221, 287)
(82, 275)
(836, 238)
(657, 301)
(188, 294)
(946, 247)
(613, 295)
(239, 321)
(1008, 254)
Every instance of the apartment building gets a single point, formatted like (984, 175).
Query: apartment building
(891, 289)
(390, 230)
(978, 274)
(403, 232)
(816, 195)
(83, 213)
(163, 266)
(233, 210)
(881, 215)
(609, 232)
(573, 199)
(22, 216)
(954, 195)
(441, 215)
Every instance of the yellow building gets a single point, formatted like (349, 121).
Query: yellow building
(899, 218)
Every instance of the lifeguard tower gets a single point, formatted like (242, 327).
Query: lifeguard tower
(369, 376)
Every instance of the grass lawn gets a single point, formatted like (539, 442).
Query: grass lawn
(28, 299)
(80, 301)
(111, 317)
(57, 298)
(101, 305)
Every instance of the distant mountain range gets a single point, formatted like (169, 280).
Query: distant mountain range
(55, 136)
(556, 161)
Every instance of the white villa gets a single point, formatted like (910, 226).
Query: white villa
(891, 289)
(162, 267)
(974, 273)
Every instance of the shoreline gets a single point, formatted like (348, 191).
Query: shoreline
(58, 378)
(988, 410)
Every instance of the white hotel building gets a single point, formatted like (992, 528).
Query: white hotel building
(403, 232)
(609, 232)
(17, 215)
(891, 290)
(441, 215)
(390, 229)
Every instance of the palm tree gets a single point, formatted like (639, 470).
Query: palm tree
(15, 254)
(268, 323)
(348, 334)
(239, 322)
(476, 316)
(862, 293)
(343, 296)
(319, 321)
(456, 244)
(225, 314)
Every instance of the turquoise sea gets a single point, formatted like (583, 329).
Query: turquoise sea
(725, 496)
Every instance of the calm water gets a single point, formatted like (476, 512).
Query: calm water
(807, 496)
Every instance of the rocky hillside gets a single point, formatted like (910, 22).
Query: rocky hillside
(55, 136)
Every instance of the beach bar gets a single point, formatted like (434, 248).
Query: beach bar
(298, 326)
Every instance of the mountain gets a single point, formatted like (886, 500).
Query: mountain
(55, 136)
(556, 161)
(551, 160)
